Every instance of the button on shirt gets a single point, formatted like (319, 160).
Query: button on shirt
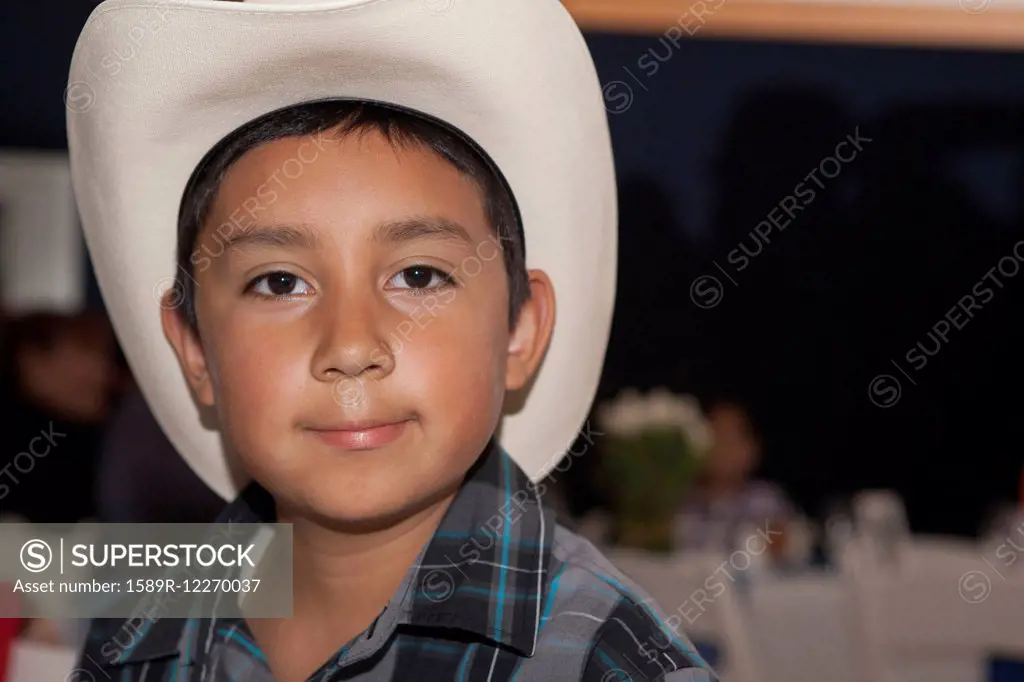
(500, 592)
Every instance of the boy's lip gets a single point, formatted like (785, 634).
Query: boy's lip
(362, 434)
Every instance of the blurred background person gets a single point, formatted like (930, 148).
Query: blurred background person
(59, 378)
(728, 502)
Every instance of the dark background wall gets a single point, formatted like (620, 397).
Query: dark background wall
(715, 135)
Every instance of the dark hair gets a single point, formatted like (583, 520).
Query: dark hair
(44, 330)
(401, 128)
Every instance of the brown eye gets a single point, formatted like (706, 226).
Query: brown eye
(421, 277)
(279, 284)
(417, 277)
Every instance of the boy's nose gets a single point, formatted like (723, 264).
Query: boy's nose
(351, 345)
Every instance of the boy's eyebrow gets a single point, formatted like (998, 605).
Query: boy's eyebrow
(390, 232)
(275, 235)
(420, 227)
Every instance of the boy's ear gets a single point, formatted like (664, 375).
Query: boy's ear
(532, 333)
(189, 349)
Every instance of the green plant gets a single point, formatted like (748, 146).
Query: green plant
(653, 450)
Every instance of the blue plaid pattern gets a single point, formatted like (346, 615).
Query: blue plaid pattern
(501, 592)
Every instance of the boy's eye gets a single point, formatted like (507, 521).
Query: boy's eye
(278, 284)
(420, 277)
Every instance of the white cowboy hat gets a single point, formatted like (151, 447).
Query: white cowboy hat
(155, 84)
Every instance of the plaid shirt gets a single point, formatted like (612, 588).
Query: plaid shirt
(501, 592)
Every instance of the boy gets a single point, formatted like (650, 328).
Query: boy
(355, 183)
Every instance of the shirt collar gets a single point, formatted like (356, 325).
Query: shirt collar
(162, 637)
(484, 570)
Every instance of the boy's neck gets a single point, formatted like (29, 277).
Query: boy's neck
(340, 569)
(342, 579)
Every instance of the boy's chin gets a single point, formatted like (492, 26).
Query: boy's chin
(360, 520)
(357, 512)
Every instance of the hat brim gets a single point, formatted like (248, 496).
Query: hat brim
(155, 84)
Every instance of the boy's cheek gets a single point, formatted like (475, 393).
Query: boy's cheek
(450, 380)
(258, 380)
(432, 366)
(451, 316)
